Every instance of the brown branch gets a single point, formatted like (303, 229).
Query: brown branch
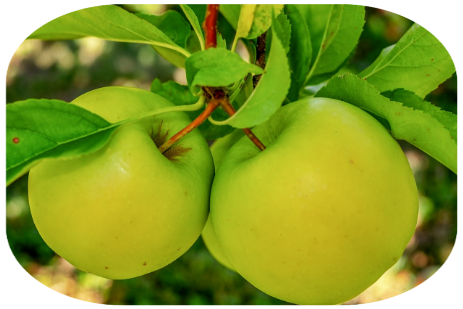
(210, 25)
(260, 55)
(228, 108)
(211, 106)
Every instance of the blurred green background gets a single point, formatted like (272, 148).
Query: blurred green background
(66, 69)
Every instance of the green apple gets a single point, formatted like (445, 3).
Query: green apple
(218, 150)
(210, 240)
(125, 210)
(323, 212)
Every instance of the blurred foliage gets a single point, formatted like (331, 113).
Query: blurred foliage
(66, 69)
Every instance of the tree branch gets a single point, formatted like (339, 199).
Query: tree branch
(210, 25)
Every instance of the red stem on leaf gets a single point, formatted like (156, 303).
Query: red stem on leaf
(228, 108)
(210, 25)
(211, 106)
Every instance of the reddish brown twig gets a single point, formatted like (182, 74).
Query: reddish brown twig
(210, 25)
(211, 106)
(216, 95)
(228, 108)
(210, 29)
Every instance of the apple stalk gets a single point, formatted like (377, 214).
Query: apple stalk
(210, 107)
(228, 108)
(218, 98)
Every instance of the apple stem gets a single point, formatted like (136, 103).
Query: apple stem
(210, 25)
(217, 95)
(210, 28)
(228, 108)
(211, 106)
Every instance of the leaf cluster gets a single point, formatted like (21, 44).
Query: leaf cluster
(306, 45)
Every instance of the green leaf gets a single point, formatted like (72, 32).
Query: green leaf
(216, 67)
(44, 129)
(300, 51)
(282, 28)
(418, 63)
(419, 127)
(173, 56)
(244, 92)
(191, 15)
(316, 17)
(196, 14)
(173, 92)
(251, 47)
(52, 129)
(221, 42)
(177, 29)
(200, 12)
(323, 78)
(245, 20)
(181, 95)
(77, 148)
(377, 61)
(106, 22)
(225, 29)
(270, 91)
(256, 17)
(340, 37)
(172, 24)
(452, 123)
(231, 12)
(192, 44)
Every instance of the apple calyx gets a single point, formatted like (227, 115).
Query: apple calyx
(160, 138)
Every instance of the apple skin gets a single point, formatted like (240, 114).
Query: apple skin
(212, 244)
(125, 210)
(323, 212)
(219, 150)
